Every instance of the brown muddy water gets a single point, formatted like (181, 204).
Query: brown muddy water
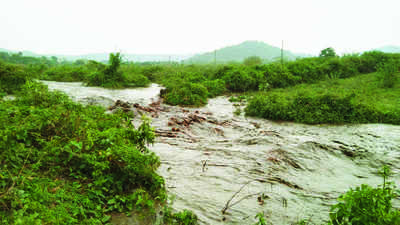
(288, 171)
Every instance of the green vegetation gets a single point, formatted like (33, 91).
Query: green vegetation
(111, 75)
(328, 52)
(12, 77)
(359, 99)
(65, 163)
(62, 162)
(361, 205)
(367, 205)
(184, 217)
(387, 73)
(332, 101)
(66, 73)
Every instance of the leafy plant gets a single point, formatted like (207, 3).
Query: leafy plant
(64, 163)
(184, 217)
(327, 52)
(387, 73)
(261, 219)
(367, 205)
(185, 93)
(12, 77)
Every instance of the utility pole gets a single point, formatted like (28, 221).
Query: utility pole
(215, 57)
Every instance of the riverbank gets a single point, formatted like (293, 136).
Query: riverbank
(359, 99)
(204, 163)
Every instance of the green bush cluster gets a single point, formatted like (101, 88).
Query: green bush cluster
(19, 58)
(110, 76)
(64, 163)
(240, 79)
(388, 73)
(184, 217)
(186, 93)
(244, 78)
(12, 77)
(66, 73)
(324, 108)
(217, 79)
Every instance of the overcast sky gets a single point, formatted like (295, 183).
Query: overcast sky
(188, 26)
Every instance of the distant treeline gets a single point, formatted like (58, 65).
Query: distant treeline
(192, 85)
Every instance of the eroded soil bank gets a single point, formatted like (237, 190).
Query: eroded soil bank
(288, 171)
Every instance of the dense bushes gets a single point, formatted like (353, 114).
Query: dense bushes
(67, 73)
(12, 77)
(110, 76)
(64, 163)
(217, 79)
(388, 73)
(215, 87)
(186, 93)
(330, 103)
(240, 79)
(327, 108)
(278, 76)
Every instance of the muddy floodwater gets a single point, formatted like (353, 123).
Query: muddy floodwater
(227, 168)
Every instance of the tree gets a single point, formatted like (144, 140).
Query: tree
(328, 52)
(252, 61)
(112, 70)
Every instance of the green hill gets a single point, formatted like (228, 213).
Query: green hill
(241, 51)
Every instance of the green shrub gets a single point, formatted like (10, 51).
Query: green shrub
(339, 67)
(323, 108)
(215, 87)
(186, 93)
(370, 61)
(309, 69)
(12, 77)
(184, 217)
(151, 72)
(261, 219)
(109, 76)
(65, 73)
(367, 205)
(64, 163)
(241, 79)
(387, 73)
(137, 80)
(278, 76)
(273, 107)
(327, 52)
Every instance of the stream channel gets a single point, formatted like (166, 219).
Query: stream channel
(286, 170)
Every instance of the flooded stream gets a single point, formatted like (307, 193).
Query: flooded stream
(288, 171)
